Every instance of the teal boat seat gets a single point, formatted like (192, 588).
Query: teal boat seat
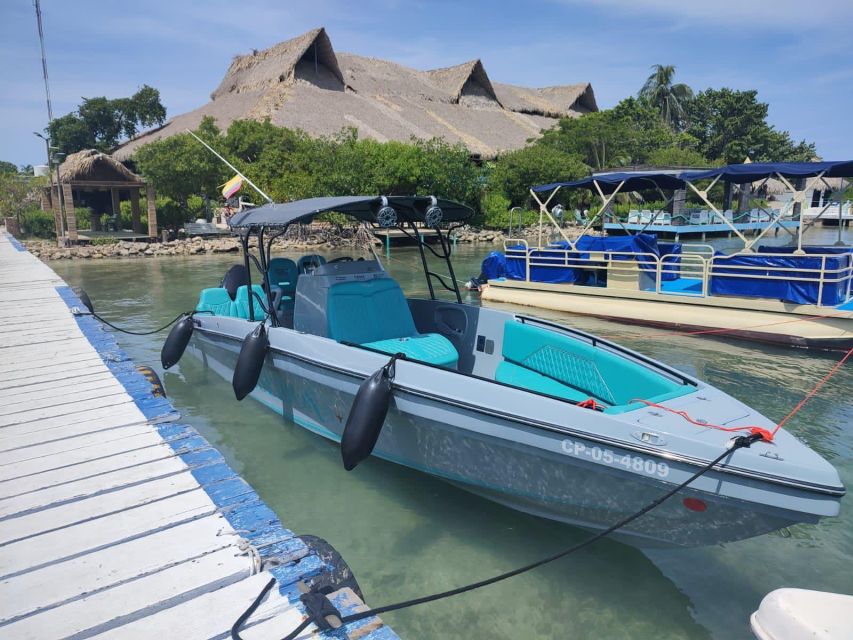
(283, 273)
(428, 347)
(549, 362)
(217, 302)
(513, 374)
(375, 313)
(242, 303)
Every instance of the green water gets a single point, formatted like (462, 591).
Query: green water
(405, 534)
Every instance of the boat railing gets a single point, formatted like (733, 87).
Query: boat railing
(630, 270)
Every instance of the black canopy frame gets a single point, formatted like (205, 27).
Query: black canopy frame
(379, 211)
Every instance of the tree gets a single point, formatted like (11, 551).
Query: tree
(676, 157)
(621, 136)
(730, 125)
(516, 171)
(670, 100)
(8, 167)
(181, 167)
(101, 123)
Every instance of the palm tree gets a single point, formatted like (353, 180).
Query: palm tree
(670, 99)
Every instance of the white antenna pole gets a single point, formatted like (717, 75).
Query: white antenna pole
(235, 169)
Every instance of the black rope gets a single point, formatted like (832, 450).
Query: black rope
(738, 443)
(138, 333)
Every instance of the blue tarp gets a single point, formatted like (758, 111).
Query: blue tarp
(571, 269)
(785, 289)
(494, 266)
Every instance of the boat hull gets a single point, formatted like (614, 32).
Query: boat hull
(542, 473)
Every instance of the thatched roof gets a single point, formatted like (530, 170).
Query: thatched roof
(90, 165)
(303, 84)
(776, 187)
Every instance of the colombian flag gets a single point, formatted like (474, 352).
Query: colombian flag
(231, 187)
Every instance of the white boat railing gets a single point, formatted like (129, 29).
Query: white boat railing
(627, 270)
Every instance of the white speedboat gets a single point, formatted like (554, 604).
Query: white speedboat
(536, 416)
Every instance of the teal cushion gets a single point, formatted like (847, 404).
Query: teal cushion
(242, 303)
(216, 301)
(517, 376)
(430, 347)
(595, 372)
(368, 311)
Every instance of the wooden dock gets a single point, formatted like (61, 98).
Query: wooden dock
(117, 520)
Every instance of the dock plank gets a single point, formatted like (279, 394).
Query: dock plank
(116, 520)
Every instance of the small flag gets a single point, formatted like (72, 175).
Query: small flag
(231, 187)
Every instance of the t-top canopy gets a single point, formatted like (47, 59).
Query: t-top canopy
(366, 208)
(609, 182)
(735, 173)
(754, 171)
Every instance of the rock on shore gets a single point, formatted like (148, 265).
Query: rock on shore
(304, 239)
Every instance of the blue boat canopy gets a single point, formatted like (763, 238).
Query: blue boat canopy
(735, 173)
(365, 208)
(609, 182)
(753, 171)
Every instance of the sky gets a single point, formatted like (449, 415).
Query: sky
(799, 56)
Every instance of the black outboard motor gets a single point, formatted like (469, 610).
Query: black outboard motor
(177, 341)
(367, 415)
(250, 361)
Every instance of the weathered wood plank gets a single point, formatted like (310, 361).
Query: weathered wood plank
(50, 547)
(202, 618)
(119, 564)
(83, 487)
(138, 599)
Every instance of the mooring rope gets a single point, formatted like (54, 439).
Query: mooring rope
(738, 443)
(128, 331)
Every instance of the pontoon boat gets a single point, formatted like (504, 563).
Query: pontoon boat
(796, 295)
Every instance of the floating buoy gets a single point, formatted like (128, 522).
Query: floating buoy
(250, 362)
(176, 342)
(367, 416)
(80, 292)
(157, 388)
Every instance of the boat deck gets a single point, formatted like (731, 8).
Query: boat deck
(117, 520)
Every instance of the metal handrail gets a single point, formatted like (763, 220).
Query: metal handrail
(693, 264)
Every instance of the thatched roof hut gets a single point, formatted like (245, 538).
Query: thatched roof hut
(303, 83)
(99, 182)
(91, 166)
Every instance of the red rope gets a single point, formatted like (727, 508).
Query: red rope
(765, 434)
(816, 388)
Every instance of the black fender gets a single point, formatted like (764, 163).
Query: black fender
(253, 353)
(177, 341)
(367, 415)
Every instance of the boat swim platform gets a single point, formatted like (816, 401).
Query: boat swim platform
(117, 520)
(716, 229)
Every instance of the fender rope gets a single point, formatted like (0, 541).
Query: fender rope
(128, 331)
(738, 443)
